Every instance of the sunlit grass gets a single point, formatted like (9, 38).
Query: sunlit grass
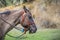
(49, 34)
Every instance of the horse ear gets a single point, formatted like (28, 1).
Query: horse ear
(25, 9)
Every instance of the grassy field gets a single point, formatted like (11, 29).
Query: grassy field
(44, 34)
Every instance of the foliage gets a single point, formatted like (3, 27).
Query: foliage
(4, 3)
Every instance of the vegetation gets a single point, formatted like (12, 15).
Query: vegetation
(43, 34)
(4, 3)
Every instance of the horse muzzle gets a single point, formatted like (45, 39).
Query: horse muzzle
(32, 28)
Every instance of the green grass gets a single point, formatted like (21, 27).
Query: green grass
(45, 34)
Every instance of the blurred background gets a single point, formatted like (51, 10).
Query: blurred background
(46, 13)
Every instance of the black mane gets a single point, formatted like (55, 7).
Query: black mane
(5, 12)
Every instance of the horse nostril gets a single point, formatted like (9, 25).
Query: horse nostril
(32, 28)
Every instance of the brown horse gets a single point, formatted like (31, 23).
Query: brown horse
(9, 19)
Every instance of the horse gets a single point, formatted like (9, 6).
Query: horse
(9, 19)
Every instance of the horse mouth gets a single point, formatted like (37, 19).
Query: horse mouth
(31, 28)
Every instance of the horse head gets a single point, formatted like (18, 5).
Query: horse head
(27, 21)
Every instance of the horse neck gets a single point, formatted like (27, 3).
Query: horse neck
(10, 18)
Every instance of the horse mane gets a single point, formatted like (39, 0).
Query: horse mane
(5, 12)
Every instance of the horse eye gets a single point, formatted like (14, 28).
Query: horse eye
(30, 17)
